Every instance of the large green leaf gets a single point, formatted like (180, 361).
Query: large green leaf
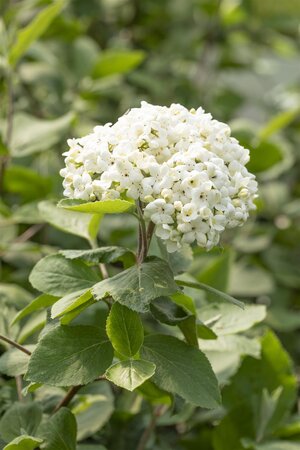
(32, 135)
(182, 369)
(72, 222)
(70, 355)
(105, 255)
(24, 442)
(58, 276)
(20, 418)
(130, 374)
(125, 330)
(98, 207)
(138, 286)
(117, 62)
(59, 431)
(34, 30)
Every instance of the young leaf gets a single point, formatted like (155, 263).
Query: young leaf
(204, 332)
(182, 369)
(125, 330)
(210, 289)
(34, 30)
(42, 301)
(58, 276)
(70, 355)
(20, 418)
(69, 221)
(70, 302)
(14, 362)
(116, 62)
(130, 374)
(24, 442)
(166, 311)
(99, 207)
(104, 255)
(138, 286)
(59, 431)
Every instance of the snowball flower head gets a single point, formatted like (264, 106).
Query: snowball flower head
(184, 166)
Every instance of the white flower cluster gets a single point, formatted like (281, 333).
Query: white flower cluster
(183, 165)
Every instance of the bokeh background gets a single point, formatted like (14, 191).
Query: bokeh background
(240, 60)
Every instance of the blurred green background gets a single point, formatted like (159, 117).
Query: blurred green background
(238, 59)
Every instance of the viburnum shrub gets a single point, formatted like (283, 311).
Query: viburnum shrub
(182, 176)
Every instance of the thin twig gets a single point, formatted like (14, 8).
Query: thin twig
(150, 231)
(15, 344)
(19, 385)
(67, 398)
(29, 233)
(159, 410)
(102, 266)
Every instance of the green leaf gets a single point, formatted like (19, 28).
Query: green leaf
(26, 183)
(281, 120)
(105, 255)
(32, 135)
(14, 362)
(182, 369)
(24, 442)
(185, 301)
(34, 30)
(204, 332)
(98, 207)
(117, 62)
(70, 221)
(125, 330)
(264, 156)
(130, 374)
(58, 276)
(216, 273)
(225, 354)
(227, 319)
(41, 302)
(138, 286)
(273, 370)
(93, 408)
(166, 311)
(20, 418)
(211, 290)
(59, 431)
(70, 302)
(70, 355)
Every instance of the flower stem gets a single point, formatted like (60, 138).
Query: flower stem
(143, 241)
